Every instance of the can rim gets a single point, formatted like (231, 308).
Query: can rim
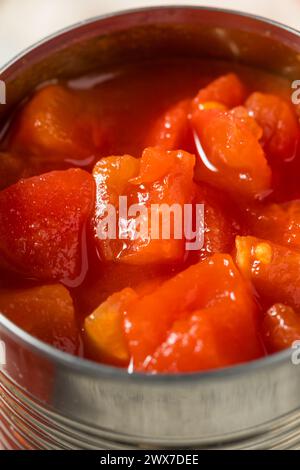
(93, 368)
(22, 55)
(87, 366)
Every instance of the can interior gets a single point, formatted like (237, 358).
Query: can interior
(84, 50)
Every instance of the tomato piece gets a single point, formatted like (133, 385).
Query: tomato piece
(230, 156)
(241, 113)
(227, 90)
(103, 329)
(279, 223)
(280, 328)
(171, 131)
(111, 175)
(159, 177)
(42, 224)
(214, 337)
(190, 346)
(221, 220)
(273, 269)
(56, 122)
(205, 284)
(279, 123)
(155, 164)
(46, 312)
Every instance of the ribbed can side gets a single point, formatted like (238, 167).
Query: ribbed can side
(26, 425)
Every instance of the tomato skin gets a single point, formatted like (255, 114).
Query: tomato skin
(47, 312)
(273, 269)
(229, 154)
(280, 328)
(159, 177)
(42, 224)
(280, 126)
(227, 90)
(205, 284)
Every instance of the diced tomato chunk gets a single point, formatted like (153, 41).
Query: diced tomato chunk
(230, 156)
(190, 345)
(103, 329)
(280, 328)
(279, 223)
(159, 177)
(154, 165)
(214, 337)
(54, 122)
(212, 282)
(221, 220)
(172, 131)
(273, 269)
(42, 224)
(112, 175)
(47, 312)
(227, 90)
(241, 113)
(279, 122)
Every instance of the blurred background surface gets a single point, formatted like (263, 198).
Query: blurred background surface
(23, 22)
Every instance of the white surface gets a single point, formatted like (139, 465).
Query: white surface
(22, 22)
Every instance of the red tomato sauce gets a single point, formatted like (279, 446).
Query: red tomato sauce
(183, 133)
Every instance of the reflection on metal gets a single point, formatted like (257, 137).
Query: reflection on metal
(2, 353)
(2, 92)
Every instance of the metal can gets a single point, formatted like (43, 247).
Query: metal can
(50, 400)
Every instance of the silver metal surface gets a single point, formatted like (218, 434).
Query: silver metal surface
(52, 400)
